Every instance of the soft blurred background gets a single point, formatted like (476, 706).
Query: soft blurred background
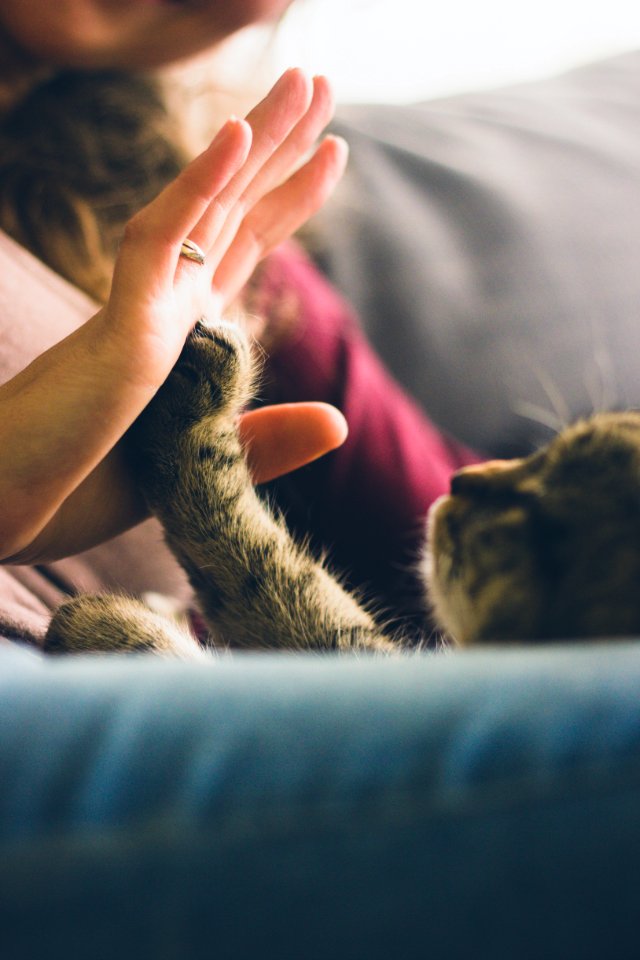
(399, 50)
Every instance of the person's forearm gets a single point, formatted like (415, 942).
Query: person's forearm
(59, 419)
(104, 505)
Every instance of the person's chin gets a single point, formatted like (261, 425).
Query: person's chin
(241, 13)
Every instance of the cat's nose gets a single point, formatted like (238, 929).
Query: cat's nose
(481, 476)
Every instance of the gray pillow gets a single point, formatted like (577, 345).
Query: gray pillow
(491, 243)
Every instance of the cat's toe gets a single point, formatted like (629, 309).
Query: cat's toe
(213, 373)
(116, 624)
(207, 388)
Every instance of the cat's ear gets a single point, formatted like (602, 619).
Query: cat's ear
(489, 478)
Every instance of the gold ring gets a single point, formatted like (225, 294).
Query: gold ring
(191, 251)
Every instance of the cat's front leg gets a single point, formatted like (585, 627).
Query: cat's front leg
(256, 587)
(117, 624)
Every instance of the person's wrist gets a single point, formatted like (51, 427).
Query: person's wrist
(134, 361)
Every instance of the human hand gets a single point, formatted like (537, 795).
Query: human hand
(234, 202)
(63, 415)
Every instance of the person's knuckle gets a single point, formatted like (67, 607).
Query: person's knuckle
(136, 229)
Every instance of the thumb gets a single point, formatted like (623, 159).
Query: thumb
(284, 437)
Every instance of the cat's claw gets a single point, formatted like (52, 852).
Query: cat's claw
(213, 373)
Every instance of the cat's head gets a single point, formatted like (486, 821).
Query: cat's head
(546, 547)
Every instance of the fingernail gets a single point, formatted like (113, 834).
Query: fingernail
(228, 129)
(340, 142)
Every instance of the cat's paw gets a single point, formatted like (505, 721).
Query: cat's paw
(116, 624)
(209, 385)
(213, 376)
(193, 416)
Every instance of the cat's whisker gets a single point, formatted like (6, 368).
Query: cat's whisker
(537, 414)
(258, 350)
(554, 395)
(604, 362)
(599, 380)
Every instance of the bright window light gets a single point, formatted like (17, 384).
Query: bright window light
(398, 50)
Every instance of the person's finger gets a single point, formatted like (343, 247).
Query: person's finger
(285, 158)
(281, 438)
(271, 122)
(151, 244)
(297, 144)
(279, 214)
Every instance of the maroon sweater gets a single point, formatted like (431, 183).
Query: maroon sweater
(367, 501)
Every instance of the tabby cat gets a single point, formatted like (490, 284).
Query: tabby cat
(541, 548)
(546, 547)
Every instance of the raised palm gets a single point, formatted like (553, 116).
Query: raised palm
(235, 202)
(65, 485)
